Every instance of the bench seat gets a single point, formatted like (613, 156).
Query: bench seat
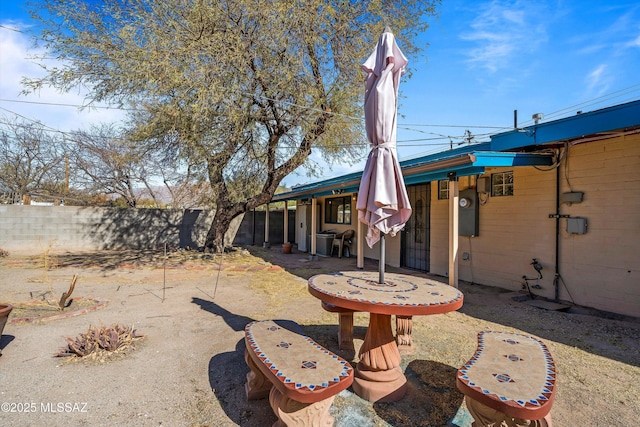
(300, 376)
(511, 378)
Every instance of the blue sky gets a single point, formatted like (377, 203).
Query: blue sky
(484, 60)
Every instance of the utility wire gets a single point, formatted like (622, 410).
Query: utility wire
(57, 104)
(400, 125)
(11, 29)
(565, 110)
(408, 127)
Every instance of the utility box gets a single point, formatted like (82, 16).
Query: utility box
(572, 197)
(576, 225)
(468, 213)
(483, 184)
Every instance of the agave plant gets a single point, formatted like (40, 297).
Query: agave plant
(112, 339)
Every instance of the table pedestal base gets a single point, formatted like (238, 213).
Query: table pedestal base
(378, 377)
(380, 386)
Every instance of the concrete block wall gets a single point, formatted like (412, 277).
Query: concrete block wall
(67, 228)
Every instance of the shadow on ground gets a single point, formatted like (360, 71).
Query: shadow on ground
(432, 398)
(5, 340)
(604, 334)
(613, 337)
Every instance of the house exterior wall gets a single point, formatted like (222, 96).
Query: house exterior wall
(599, 269)
(392, 247)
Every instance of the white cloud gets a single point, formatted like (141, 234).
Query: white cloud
(503, 31)
(598, 81)
(15, 64)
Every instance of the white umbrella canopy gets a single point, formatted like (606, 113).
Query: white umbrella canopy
(383, 203)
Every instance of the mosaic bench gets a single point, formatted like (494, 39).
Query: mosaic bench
(510, 379)
(300, 376)
(404, 325)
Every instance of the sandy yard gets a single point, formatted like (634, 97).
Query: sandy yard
(189, 369)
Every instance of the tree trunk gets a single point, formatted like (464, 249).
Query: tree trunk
(221, 222)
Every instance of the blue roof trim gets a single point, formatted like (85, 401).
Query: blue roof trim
(472, 159)
(445, 155)
(605, 120)
(440, 175)
(499, 159)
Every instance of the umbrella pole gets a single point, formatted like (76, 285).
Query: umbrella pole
(382, 260)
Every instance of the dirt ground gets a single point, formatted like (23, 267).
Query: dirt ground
(189, 369)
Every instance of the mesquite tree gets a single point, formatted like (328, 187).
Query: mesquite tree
(243, 88)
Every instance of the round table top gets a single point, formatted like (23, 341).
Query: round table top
(401, 294)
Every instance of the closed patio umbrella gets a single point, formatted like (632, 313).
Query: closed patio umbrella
(383, 203)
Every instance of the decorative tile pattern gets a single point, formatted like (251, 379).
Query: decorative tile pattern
(496, 369)
(309, 364)
(399, 290)
(296, 360)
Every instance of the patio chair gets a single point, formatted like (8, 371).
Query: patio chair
(343, 240)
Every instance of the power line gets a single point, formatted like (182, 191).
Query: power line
(451, 126)
(590, 102)
(408, 127)
(57, 104)
(400, 125)
(12, 29)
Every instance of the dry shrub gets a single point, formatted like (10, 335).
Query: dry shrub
(100, 342)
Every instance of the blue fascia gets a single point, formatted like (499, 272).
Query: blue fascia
(623, 116)
(500, 151)
(441, 174)
(502, 159)
(445, 155)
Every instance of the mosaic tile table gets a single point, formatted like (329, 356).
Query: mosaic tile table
(511, 378)
(300, 376)
(378, 376)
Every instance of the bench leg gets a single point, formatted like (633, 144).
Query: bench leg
(404, 324)
(293, 413)
(485, 416)
(257, 386)
(345, 331)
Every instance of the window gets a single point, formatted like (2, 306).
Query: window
(337, 210)
(443, 189)
(502, 184)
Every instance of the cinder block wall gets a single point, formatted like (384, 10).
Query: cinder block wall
(68, 228)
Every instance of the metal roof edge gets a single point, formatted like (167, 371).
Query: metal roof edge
(502, 159)
(621, 116)
(472, 159)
